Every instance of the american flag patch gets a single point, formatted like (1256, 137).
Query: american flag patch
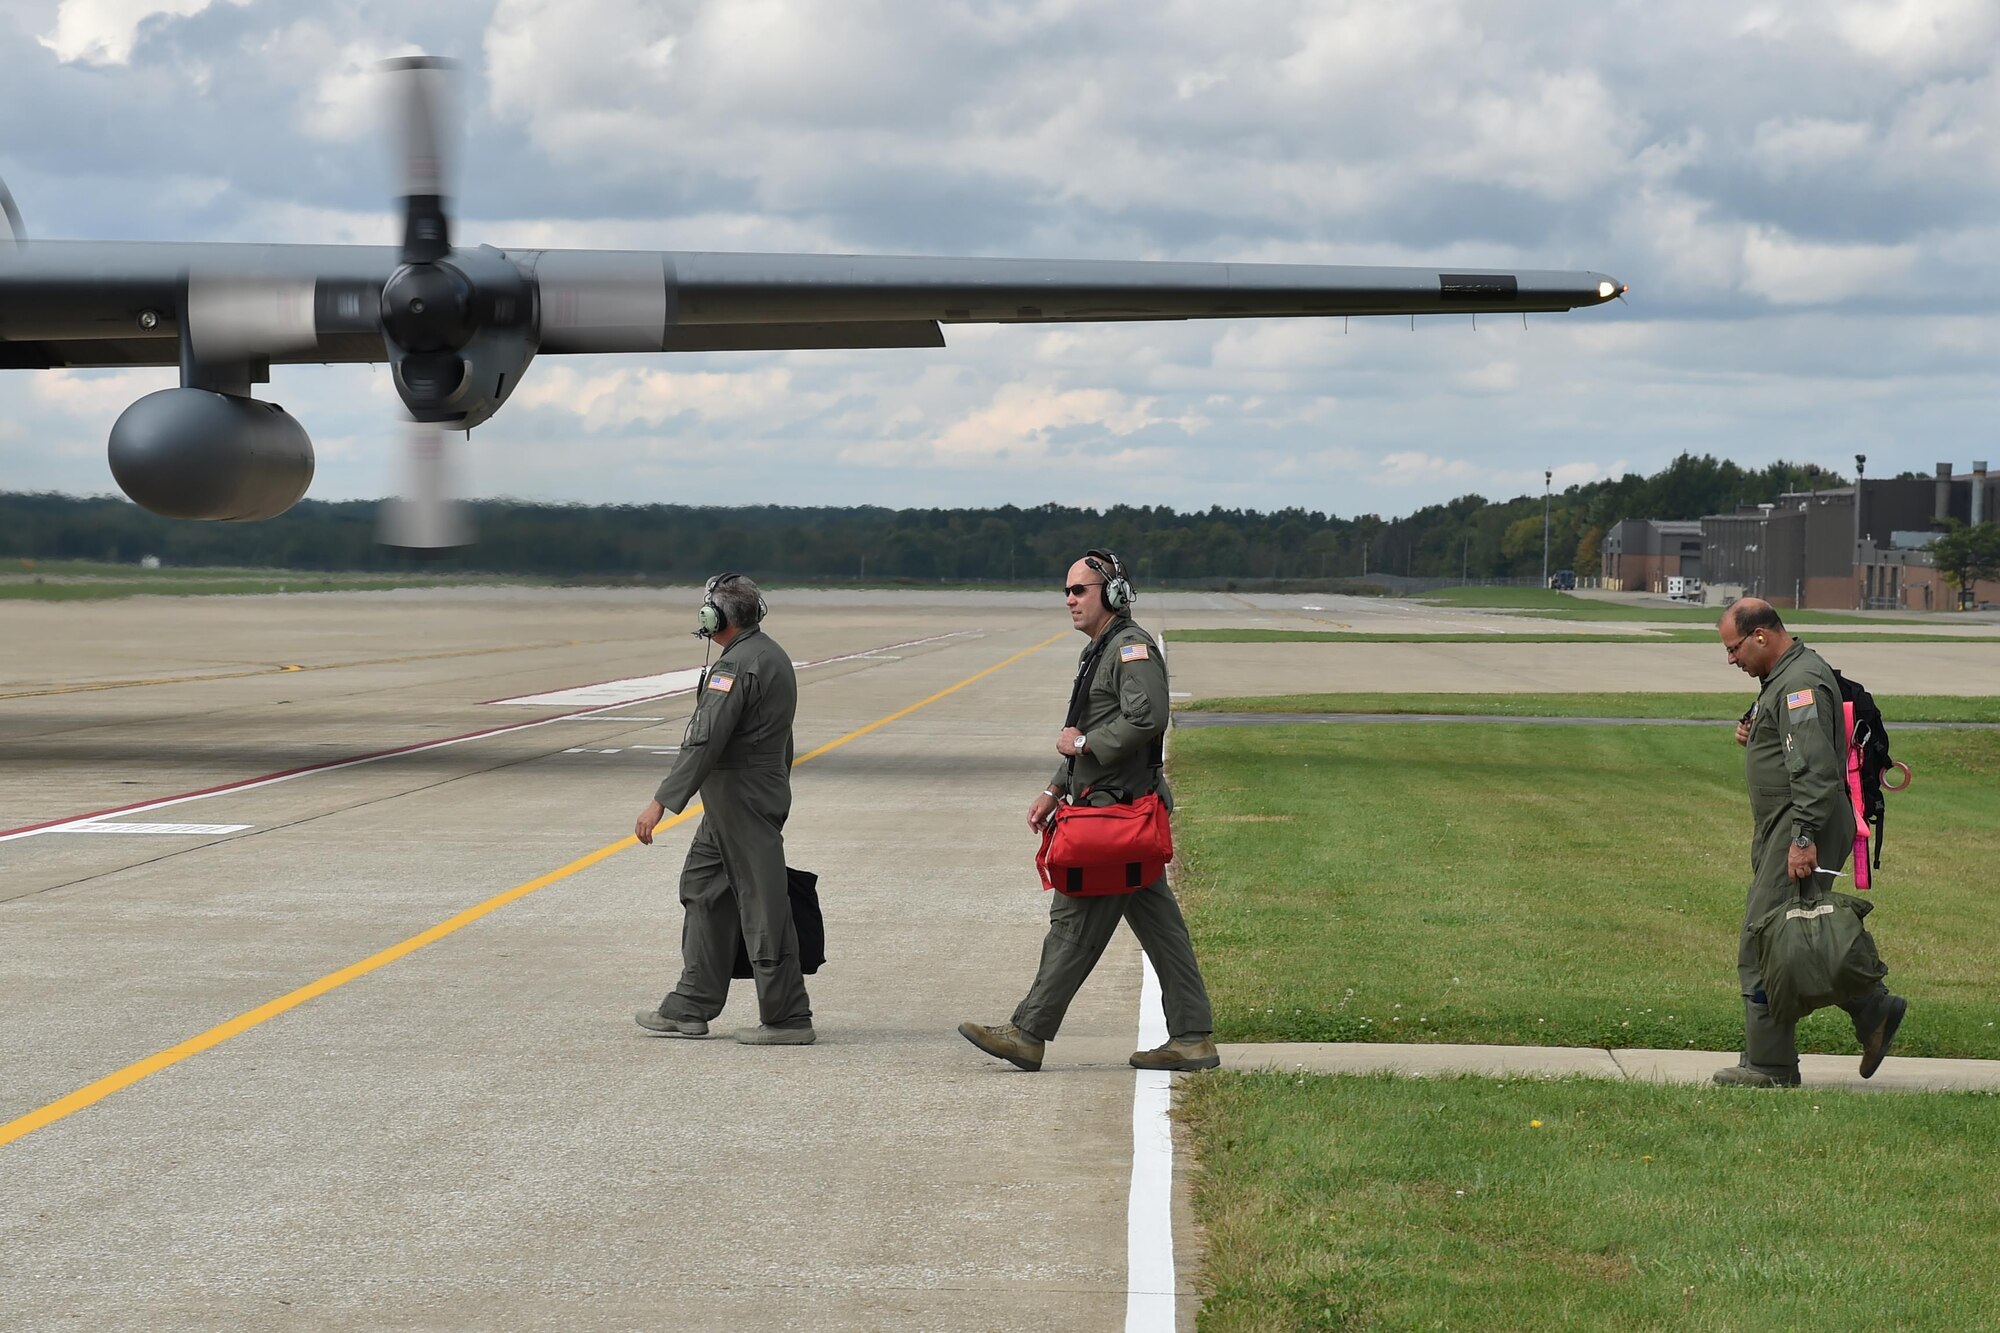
(1799, 699)
(1133, 652)
(721, 681)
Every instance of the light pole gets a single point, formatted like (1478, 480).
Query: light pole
(1861, 583)
(1547, 476)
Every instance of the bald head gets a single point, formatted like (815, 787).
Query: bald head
(1747, 615)
(1753, 635)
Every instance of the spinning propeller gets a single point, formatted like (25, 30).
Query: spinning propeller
(428, 314)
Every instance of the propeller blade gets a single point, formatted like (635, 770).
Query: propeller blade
(14, 223)
(428, 518)
(425, 142)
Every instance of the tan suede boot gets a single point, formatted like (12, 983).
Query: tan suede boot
(1005, 1041)
(1180, 1053)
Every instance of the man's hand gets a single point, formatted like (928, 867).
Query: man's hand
(1066, 744)
(1801, 861)
(649, 819)
(1743, 732)
(1040, 812)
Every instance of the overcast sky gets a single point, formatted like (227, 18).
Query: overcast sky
(1801, 195)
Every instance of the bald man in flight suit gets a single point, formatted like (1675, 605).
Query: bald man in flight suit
(738, 755)
(1795, 764)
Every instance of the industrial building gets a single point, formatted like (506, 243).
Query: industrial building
(1850, 547)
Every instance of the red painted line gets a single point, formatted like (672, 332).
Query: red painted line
(284, 775)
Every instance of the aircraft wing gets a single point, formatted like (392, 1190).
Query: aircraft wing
(81, 303)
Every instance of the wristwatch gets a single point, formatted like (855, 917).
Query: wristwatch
(1802, 841)
(1081, 737)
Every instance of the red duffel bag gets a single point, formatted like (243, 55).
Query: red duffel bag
(1089, 850)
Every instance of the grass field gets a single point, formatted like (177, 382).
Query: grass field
(1722, 707)
(1352, 1202)
(1705, 636)
(1563, 606)
(1573, 886)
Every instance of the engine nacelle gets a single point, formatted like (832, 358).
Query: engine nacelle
(191, 453)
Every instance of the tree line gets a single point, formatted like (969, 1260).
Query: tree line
(1471, 536)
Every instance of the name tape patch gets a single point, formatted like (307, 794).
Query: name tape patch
(1799, 699)
(722, 681)
(1133, 652)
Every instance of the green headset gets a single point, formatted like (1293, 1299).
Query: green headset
(713, 619)
(1116, 590)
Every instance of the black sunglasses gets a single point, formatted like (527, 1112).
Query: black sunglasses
(1078, 589)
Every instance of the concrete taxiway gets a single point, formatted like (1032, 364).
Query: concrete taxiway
(211, 805)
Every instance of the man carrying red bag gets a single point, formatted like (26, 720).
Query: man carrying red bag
(1111, 756)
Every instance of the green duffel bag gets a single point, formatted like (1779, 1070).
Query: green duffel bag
(1813, 951)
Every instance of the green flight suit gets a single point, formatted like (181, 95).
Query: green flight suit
(738, 755)
(1795, 764)
(1125, 711)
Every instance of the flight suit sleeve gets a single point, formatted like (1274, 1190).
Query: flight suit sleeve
(1140, 679)
(725, 694)
(1806, 727)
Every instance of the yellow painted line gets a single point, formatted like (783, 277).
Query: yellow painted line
(96, 1092)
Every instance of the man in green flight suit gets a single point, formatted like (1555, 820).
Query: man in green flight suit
(1112, 754)
(738, 754)
(1795, 761)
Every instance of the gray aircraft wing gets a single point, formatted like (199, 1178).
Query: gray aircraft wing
(72, 303)
(458, 326)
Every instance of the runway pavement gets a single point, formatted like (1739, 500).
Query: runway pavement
(472, 1133)
(476, 1135)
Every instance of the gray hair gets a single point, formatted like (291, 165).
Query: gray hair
(740, 601)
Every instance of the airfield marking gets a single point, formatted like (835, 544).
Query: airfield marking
(92, 1093)
(66, 823)
(1149, 1208)
(281, 670)
(181, 830)
(634, 689)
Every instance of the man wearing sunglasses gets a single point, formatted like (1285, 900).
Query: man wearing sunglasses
(1795, 738)
(1111, 754)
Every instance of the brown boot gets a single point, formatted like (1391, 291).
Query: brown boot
(1180, 1054)
(1743, 1076)
(1876, 1044)
(1020, 1049)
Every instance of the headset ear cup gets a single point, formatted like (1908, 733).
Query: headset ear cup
(712, 619)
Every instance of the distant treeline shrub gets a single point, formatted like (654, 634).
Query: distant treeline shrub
(1473, 535)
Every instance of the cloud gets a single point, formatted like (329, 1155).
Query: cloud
(103, 31)
(1788, 271)
(1801, 196)
(1416, 468)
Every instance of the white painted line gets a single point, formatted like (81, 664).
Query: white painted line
(643, 689)
(310, 770)
(181, 830)
(607, 717)
(1149, 1211)
(611, 693)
